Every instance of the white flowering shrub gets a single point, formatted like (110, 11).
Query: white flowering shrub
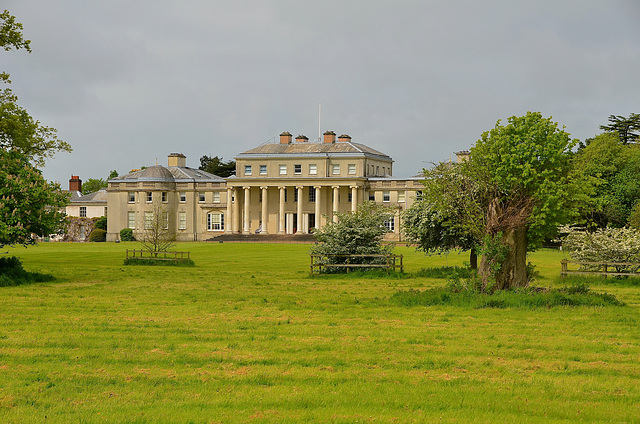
(603, 245)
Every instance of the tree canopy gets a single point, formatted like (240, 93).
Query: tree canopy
(217, 166)
(612, 168)
(628, 129)
(18, 130)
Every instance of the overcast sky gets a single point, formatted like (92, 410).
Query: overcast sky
(126, 82)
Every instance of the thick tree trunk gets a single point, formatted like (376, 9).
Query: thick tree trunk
(513, 269)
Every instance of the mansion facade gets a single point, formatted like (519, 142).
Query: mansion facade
(290, 187)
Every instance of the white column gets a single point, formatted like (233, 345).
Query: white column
(281, 212)
(354, 198)
(247, 220)
(318, 208)
(335, 202)
(228, 223)
(265, 211)
(299, 220)
(236, 212)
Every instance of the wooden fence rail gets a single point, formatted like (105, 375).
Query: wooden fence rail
(157, 256)
(388, 262)
(600, 268)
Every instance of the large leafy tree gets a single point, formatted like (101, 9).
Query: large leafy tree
(28, 204)
(512, 193)
(628, 129)
(613, 168)
(217, 166)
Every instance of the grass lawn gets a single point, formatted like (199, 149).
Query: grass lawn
(247, 336)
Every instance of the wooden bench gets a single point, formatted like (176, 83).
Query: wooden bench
(600, 268)
(390, 262)
(157, 256)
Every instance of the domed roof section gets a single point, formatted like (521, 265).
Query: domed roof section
(155, 173)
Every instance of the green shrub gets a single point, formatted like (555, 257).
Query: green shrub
(101, 223)
(126, 234)
(530, 297)
(159, 262)
(12, 273)
(98, 235)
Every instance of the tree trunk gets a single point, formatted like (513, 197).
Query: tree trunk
(513, 270)
(473, 258)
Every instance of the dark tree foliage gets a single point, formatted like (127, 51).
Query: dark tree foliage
(628, 129)
(216, 166)
(612, 169)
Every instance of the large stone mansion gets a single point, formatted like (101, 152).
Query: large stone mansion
(290, 187)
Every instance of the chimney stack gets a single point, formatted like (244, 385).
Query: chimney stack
(329, 137)
(75, 183)
(344, 138)
(177, 159)
(285, 137)
(302, 139)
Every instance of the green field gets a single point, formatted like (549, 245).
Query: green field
(247, 336)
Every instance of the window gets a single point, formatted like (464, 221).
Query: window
(183, 197)
(352, 169)
(386, 196)
(216, 197)
(247, 170)
(148, 220)
(350, 198)
(283, 169)
(182, 220)
(372, 196)
(377, 170)
(335, 169)
(295, 194)
(263, 169)
(313, 169)
(131, 219)
(285, 194)
(402, 196)
(297, 169)
(312, 194)
(215, 221)
(390, 224)
(418, 194)
(132, 197)
(383, 172)
(164, 197)
(83, 211)
(201, 197)
(149, 196)
(165, 220)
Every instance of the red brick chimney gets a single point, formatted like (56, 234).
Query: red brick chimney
(329, 137)
(344, 138)
(75, 183)
(285, 137)
(302, 139)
